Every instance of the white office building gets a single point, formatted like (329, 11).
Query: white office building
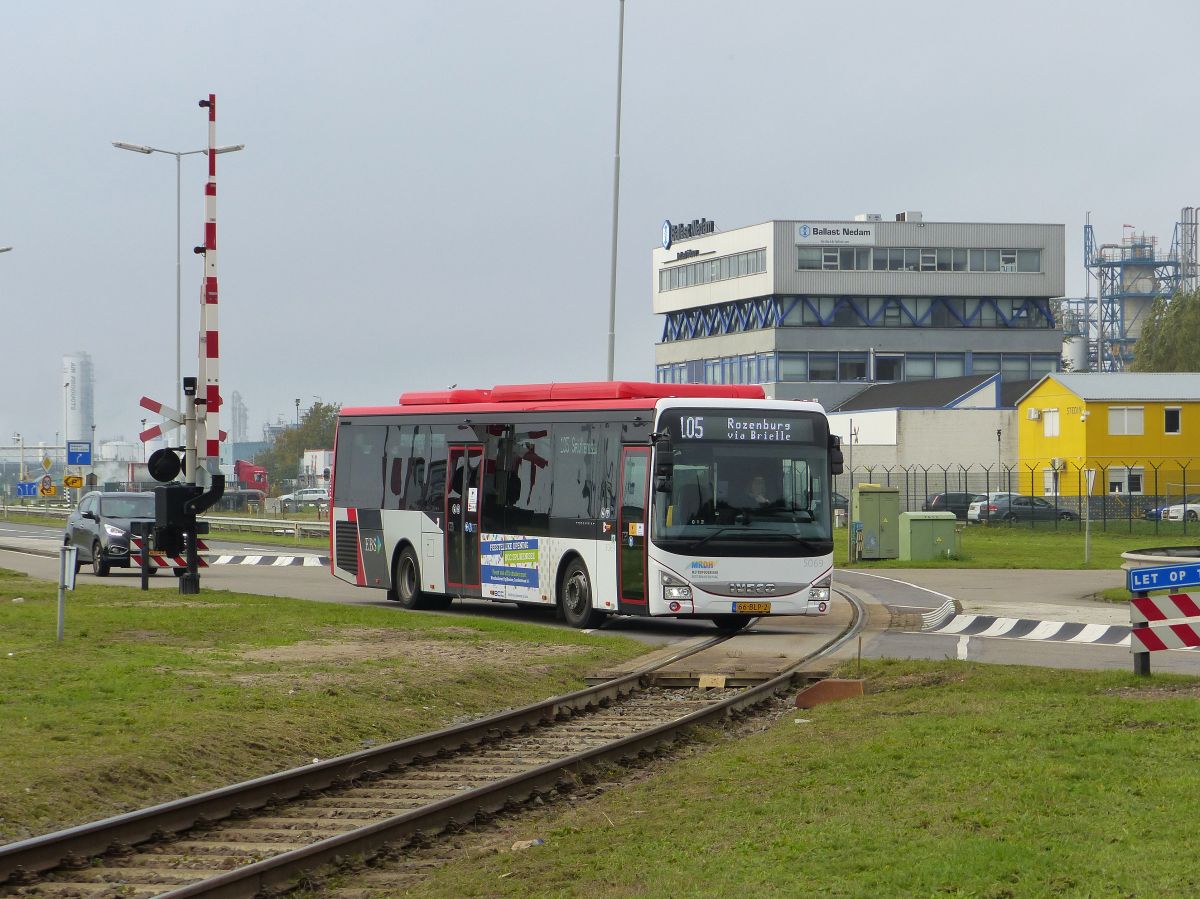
(825, 308)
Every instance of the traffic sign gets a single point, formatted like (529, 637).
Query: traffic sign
(73, 480)
(27, 488)
(79, 452)
(1163, 577)
(46, 487)
(47, 463)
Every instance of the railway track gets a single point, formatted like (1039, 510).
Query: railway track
(266, 833)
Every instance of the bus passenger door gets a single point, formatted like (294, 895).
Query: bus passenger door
(632, 523)
(463, 510)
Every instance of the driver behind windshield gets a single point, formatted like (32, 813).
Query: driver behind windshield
(755, 495)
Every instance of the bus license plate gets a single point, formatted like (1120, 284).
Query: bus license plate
(757, 608)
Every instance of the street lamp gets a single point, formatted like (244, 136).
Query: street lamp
(21, 468)
(998, 462)
(178, 154)
(612, 279)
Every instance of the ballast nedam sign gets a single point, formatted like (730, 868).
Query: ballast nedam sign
(825, 234)
(697, 228)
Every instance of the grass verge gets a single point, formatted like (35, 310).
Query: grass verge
(948, 778)
(1024, 547)
(152, 696)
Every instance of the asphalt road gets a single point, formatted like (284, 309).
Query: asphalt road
(1059, 596)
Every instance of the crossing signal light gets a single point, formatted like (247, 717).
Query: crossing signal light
(164, 465)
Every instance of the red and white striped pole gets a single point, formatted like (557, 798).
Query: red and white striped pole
(208, 444)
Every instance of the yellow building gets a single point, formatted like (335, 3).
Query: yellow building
(1139, 433)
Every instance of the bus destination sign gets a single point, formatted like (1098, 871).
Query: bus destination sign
(739, 427)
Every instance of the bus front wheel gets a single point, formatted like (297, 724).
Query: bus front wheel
(575, 600)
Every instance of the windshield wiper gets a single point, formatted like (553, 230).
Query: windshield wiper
(767, 532)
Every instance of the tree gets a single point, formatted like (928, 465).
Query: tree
(315, 431)
(1170, 329)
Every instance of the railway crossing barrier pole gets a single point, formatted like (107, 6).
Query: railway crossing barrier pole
(1141, 660)
(144, 528)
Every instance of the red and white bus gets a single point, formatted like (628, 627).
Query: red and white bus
(625, 498)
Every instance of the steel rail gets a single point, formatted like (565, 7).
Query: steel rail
(42, 853)
(559, 775)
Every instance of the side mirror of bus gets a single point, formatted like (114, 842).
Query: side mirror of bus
(837, 464)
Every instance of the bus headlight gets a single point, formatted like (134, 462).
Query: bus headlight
(819, 591)
(674, 588)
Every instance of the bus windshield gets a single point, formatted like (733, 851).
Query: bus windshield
(743, 483)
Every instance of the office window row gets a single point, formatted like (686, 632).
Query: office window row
(762, 368)
(918, 259)
(739, 265)
(914, 312)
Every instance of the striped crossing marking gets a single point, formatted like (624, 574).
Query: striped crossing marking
(274, 561)
(1032, 629)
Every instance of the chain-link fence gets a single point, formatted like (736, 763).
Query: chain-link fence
(1125, 495)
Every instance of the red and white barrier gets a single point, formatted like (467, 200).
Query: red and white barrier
(1150, 634)
(1169, 636)
(160, 560)
(1163, 608)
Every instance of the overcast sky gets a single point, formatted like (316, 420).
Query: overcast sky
(425, 193)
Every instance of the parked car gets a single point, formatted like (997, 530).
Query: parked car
(1188, 510)
(100, 526)
(973, 510)
(958, 503)
(1022, 508)
(840, 502)
(1160, 512)
(306, 496)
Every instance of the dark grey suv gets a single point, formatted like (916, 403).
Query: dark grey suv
(949, 502)
(100, 527)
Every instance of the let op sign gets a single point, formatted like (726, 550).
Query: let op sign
(1163, 577)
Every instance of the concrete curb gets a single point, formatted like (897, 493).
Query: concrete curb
(940, 617)
(31, 550)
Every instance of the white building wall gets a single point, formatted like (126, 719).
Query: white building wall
(911, 438)
(714, 246)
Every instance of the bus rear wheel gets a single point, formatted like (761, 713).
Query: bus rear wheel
(575, 598)
(406, 581)
(732, 622)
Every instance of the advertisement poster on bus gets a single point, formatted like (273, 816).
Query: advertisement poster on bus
(509, 567)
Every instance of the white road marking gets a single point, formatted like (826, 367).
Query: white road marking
(906, 584)
(957, 624)
(1090, 633)
(1045, 630)
(1001, 627)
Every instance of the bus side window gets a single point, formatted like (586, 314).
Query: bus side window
(399, 445)
(435, 472)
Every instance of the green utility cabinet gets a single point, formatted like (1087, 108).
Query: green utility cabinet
(876, 511)
(927, 535)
